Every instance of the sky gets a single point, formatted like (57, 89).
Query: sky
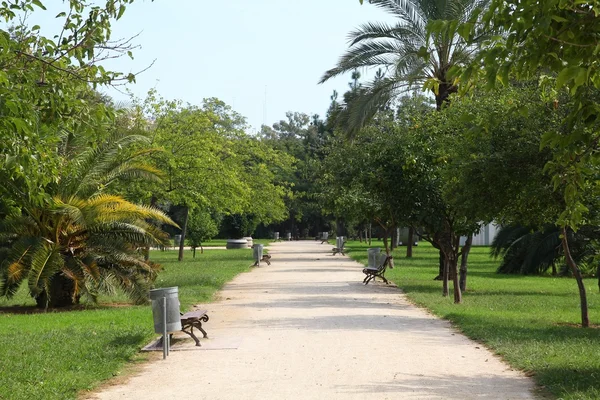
(262, 57)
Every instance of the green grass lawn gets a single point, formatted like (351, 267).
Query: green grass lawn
(529, 321)
(56, 355)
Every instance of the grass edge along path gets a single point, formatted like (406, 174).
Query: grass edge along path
(62, 355)
(531, 322)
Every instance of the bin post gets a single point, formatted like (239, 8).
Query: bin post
(165, 338)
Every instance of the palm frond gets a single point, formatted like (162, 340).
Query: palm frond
(46, 261)
(374, 98)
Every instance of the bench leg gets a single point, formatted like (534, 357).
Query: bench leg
(199, 326)
(191, 333)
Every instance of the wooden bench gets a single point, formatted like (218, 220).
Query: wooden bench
(194, 319)
(383, 260)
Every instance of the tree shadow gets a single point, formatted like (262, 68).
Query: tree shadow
(445, 386)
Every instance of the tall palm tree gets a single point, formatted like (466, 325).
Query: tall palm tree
(404, 52)
(77, 240)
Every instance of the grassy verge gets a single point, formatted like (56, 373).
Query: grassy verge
(56, 355)
(530, 321)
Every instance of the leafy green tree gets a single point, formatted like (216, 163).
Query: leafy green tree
(45, 82)
(80, 240)
(202, 226)
(210, 163)
(198, 160)
(303, 139)
(558, 38)
(404, 51)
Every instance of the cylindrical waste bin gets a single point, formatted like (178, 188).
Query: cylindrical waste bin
(339, 242)
(173, 316)
(289, 236)
(249, 240)
(372, 255)
(237, 244)
(177, 240)
(258, 252)
(324, 235)
(276, 235)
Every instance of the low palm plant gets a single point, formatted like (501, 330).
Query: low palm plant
(77, 240)
(534, 251)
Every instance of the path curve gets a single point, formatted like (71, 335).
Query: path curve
(306, 328)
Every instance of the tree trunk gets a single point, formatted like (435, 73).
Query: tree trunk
(394, 238)
(409, 245)
(388, 249)
(385, 242)
(194, 252)
(186, 214)
(585, 320)
(201, 248)
(153, 201)
(370, 234)
(445, 272)
(61, 293)
(454, 267)
(464, 259)
(555, 272)
(441, 263)
(448, 243)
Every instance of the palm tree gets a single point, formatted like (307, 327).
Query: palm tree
(77, 240)
(404, 52)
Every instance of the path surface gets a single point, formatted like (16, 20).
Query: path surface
(306, 328)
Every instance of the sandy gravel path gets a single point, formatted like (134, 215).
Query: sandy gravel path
(306, 328)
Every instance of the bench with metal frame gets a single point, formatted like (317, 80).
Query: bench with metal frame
(383, 261)
(340, 243)
(194, 319)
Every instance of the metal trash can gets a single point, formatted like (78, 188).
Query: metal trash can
(258, 253)
(324, 235)
(289, 236)
(173, 316)
(339, 242)
(276, 235)
(372, 256)
(177, 240)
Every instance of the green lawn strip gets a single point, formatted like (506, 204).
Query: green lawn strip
(56, 355)
(529, 321)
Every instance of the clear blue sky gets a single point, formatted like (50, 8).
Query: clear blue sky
(233, 49)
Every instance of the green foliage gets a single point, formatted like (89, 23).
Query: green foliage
(201, 227)
(526, 251)
(45, 83)
(80, 240)
(557, 38)
(302, 139)
(210, 163)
